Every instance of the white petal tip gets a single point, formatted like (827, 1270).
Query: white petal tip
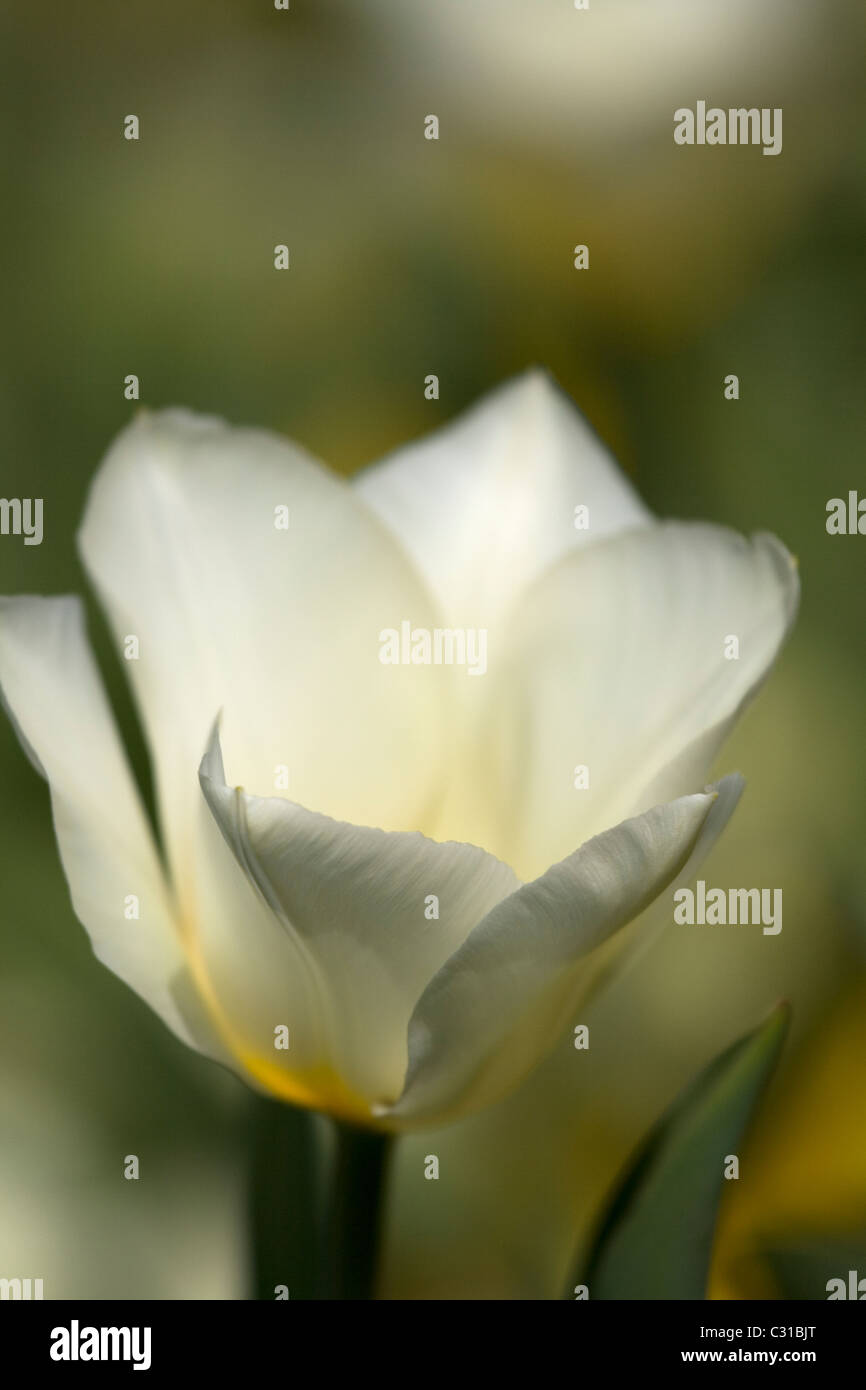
(211, 766)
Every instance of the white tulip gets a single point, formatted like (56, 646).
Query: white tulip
(297, 914)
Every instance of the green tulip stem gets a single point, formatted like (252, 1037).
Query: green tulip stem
(283, 1209)
(354, 1215)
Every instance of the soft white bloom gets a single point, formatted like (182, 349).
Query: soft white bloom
(585, 80)
(306, 907)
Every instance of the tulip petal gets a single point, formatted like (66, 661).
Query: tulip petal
(353, 900)
(487, 503)
(619, 685)
(498, 1004)
(264, 992)
(53, 692)
(634, 941)
(279, 628)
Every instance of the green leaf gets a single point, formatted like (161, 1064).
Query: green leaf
(656, 1239)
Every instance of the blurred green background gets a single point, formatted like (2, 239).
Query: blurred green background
(410, 257)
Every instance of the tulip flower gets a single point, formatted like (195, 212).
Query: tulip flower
(424, 746)
(385, 886)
